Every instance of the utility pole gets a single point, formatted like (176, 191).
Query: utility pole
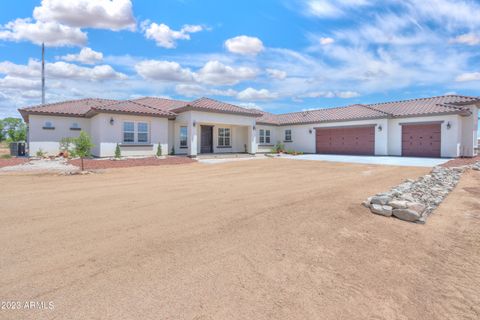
(43, 73)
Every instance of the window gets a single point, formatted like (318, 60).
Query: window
(264, 136)
(48, 125)
(223, 137)
(288, 135)
(183, 137)
(128, 132)
(75, 126)
(142, 132)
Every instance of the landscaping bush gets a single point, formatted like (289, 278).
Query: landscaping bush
(67, 147)
(159, 150)
(118, 152)
(173, 151)
(279, 147)
(40, 153)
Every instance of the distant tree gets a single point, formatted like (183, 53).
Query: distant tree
(83, 146)
(2, 134)
(14, 129)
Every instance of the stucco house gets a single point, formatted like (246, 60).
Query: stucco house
(444, 126)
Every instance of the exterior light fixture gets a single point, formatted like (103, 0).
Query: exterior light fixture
(254, 128)
(310, 131)
(194, 123)
(111, 121)
(449, 125)
(380, 128)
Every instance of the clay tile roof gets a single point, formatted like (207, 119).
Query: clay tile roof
(268, 118)
(353, 112)
(161, 103)
(424, 106)
(211, 105)
(69, 108)
(133, 107)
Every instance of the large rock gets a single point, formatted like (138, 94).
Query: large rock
(398, 204)
(406, 214)
(383, 200)
(416, 206)
(381, 209)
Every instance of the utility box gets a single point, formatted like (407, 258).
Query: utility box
(17, 149)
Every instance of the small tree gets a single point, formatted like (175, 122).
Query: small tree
(173, 151)
(118, 152)
(83, 146)
(159, 150)
(14, 129)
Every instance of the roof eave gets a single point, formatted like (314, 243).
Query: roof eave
(195, 108)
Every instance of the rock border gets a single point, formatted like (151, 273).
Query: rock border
(415, 200)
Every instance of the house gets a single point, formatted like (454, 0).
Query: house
(444, 126)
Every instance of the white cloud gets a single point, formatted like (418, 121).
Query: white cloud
(276, 74)
(251, 94)
(245, 45)
(326, 41)
(19, 83)
(85, 56)
(470, 39)
(347, 94)
(166, 37)
(469, 76)
(103, 14)
(331, 8)
(164, 71)
(195, 90)
(216, 73)
(250, 105)
(60, 70)
(51, 33)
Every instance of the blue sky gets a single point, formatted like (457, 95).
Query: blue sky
(279, 56)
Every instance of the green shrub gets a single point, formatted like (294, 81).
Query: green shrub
(5, 156)
(67, 146)
(118, 152)
(159, 150)
(40, 153)
(173, 151)
(83, 146)
(279, 147)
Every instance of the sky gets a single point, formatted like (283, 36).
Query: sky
(275, 55)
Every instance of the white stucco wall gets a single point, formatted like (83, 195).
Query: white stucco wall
(274, 138)
(107, 136)
(48, 140)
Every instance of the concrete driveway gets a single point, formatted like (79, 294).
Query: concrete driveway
(390, 161)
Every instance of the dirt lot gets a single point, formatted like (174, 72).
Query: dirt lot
(267, 239)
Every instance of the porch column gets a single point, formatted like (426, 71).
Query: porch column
(192, 139)
(252, 140)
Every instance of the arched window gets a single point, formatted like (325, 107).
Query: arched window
(48, 125)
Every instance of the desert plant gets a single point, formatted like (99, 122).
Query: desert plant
(173, 151)
(159, 150)
(67, 146)
(83, 146)
(279, 147)
(40, 153)
(118, 152)
(5, 156)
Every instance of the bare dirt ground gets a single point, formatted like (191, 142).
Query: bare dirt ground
(268, 239)
(92, 164)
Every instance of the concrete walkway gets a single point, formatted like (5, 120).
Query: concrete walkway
(390, 161)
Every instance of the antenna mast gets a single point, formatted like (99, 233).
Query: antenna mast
(43, 73)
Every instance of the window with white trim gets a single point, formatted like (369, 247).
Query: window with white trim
(265, 136)
(142, 132)
(288, 135)
(183, 137)
(129, 132)
(224, 137)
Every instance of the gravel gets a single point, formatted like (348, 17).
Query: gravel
(42, 165)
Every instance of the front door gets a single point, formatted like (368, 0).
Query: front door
(206, 139)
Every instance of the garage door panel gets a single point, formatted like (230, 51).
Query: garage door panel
(421, 140)
(356, 141)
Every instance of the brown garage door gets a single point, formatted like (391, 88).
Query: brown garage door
(355, 141)
(421, 140)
